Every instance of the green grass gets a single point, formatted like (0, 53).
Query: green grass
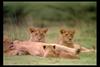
(85, 59)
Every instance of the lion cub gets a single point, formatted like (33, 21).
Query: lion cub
(66, 52)
(44, 50)
(6, 43)
(66, 38)
(38, 34)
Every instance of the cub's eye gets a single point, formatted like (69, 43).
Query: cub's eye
(32, 31)
(66, 34)
(71, 34)
(70, 38)
(11, 43)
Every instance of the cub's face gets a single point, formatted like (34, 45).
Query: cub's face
(7, 44)
(38, 34)
(49, 50)
(67, 35)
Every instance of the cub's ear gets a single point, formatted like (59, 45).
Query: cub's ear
(54, 46)
(78, 51)
(45, 30)
(73, 31)
(44, 47)
(32, 30)
(62, 31)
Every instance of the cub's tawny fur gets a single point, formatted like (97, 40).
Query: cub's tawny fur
(66, 38)
(44, 50)
(7, 43)
(38, 34)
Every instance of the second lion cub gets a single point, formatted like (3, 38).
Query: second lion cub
(66, 38)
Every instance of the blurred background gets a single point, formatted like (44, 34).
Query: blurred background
(18, 17)
(81, 16)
